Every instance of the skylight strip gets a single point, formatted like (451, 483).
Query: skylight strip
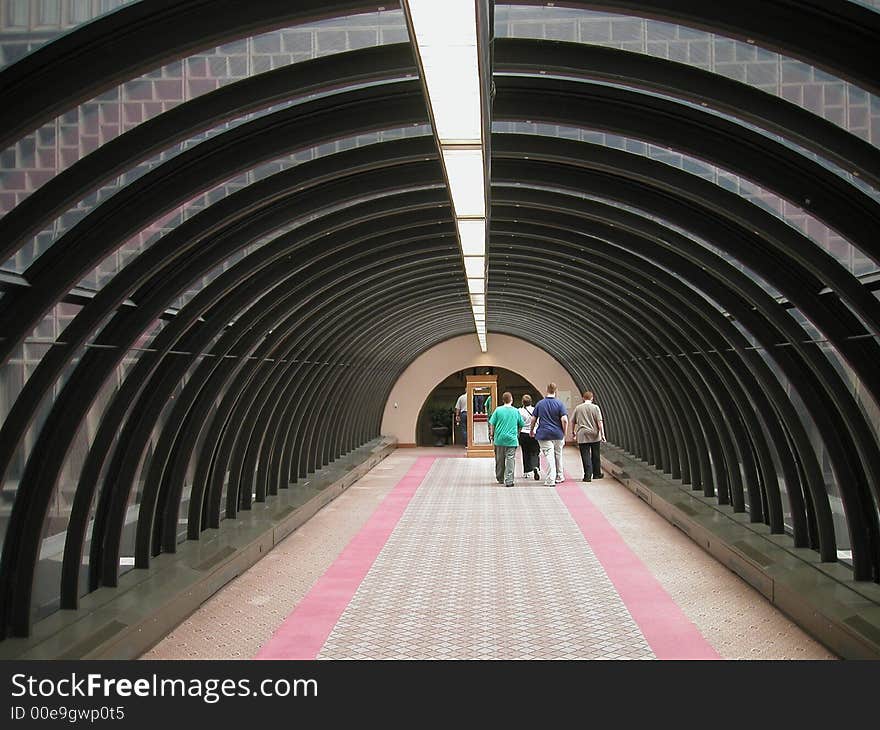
(445, 38)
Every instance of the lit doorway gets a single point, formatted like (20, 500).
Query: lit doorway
(438, 408)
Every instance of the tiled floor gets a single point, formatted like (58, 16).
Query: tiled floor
(474, 570)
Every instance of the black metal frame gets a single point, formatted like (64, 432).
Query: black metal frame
(853, 449)
(264, 363)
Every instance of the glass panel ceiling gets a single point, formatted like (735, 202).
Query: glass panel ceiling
(872, 4)
(37, 158)
(842, 103)
(26, 25)
(850, 258)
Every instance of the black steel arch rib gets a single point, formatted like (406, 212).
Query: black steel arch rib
(632, 254)
(257, 430)
(835, 35)
(612, 222)
(436, 204)
(207, 303)
(828, 197)
(627, 328)
(771, 113)
(784, 258)
(689, 218)
(553, 228)
(229, 450)
(168, 251)
(301, 191)
(279, 310)
(196, 170)
(295, 81)
(712, 385)
(91, 372)
(136, 39)
(851, 421)
(267, 254)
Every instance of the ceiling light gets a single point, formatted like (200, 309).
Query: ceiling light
(474, 266)
(472, 234)
(464, 170)
(446, 38)
(448, 54)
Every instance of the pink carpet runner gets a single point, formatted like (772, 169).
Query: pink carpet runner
(669, 633)
(307, 627)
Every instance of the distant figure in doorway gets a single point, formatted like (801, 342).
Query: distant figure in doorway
(531, 452)
(589, 432)
(551, 420)
(479, 403)
(461, 417)
(504, 424)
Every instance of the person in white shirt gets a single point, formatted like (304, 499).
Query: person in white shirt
(531, 452)
(461, 417)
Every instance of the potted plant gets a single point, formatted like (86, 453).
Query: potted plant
(441, 418)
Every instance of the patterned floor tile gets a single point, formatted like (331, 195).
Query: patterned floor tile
(485, 572)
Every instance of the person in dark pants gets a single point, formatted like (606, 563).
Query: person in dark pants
(531, 452)
(589, 432)
(461, 417)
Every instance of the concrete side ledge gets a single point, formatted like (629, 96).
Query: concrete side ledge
(822, 598)
(124, 622)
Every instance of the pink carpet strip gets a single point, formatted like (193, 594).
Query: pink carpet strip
(669, 633)
(306, 628)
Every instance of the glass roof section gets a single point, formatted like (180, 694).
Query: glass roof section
(26, 25)
(840, 102)
(871, 4)
(850, 258)
(37, 158)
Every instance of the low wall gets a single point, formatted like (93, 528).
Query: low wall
(822, 598)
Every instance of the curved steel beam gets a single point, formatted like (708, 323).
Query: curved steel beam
(835, 35)
(79, 396)
(857, 504)
(196, 170)
(614, 224)
(741, 229)
(318, 76)
(136, 39)
(734, 98)
(723, 388)
(826, 196)
(207, 304)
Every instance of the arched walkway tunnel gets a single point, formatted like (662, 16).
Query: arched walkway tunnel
(236, 264)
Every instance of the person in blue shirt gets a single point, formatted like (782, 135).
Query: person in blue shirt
(551, 419)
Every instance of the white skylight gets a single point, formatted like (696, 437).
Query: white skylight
(445, 35)
(472, 234)
(464, 169)
(474, 266)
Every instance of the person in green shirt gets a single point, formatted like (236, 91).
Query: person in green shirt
(504, 425)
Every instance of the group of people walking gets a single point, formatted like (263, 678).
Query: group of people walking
(541, 430)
